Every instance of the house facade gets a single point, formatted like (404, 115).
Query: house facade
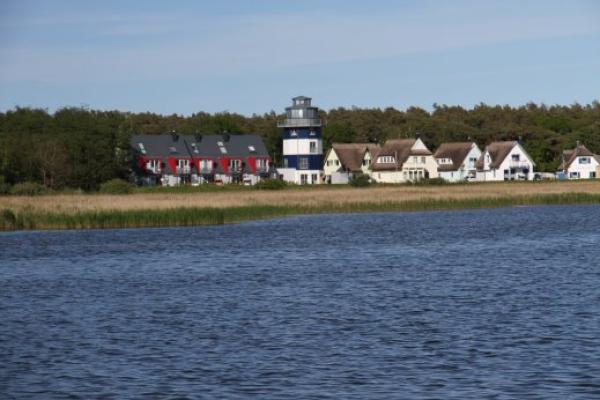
(345, 160)
(505, 161)
(403, 160)
(302, 143)
(173, 159)
(457, 161)
(579, 163)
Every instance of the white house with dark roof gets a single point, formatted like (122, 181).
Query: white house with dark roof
(579, 163)
(456, 161)
(505, 161)
(345, 160)
(403, 160)
(174, 159)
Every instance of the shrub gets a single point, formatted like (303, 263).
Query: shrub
(27, 189)
(4, 187)
(115, 186)
(271, 184)
(360, 180)
(431, 181)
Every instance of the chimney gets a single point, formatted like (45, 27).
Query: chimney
(174, 135)
(226, 137)
(198, 137)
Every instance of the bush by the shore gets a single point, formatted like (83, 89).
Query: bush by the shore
(28, 189)
(271, 184)
(360, 180)
(115, 186)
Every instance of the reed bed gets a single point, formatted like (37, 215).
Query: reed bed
(28, 219)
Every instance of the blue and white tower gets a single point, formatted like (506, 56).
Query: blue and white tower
(302, 143)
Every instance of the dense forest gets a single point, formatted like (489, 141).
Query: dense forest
(81, 148)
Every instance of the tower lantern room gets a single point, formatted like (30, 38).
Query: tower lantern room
(302, 144)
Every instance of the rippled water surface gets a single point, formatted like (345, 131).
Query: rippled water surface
(468, 305)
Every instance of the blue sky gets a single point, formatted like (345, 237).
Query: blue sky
(253, 56)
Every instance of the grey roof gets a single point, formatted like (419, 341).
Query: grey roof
(199, 146)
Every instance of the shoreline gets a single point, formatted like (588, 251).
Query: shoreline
(27, 219)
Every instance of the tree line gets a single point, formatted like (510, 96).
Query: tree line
(81, 148)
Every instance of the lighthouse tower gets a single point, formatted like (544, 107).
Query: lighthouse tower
(302, 144)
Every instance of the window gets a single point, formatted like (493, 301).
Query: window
(592, 175)
(303, 179)
(293, 133)
(514, 157)
(584, 160)
(285, 163)
(337, 162)
(422, 160)
(365, 162)
(182, 163)
(235, 164)
(153, 165)
(313, 147)
(303, 163)
(142, 148)
(314, 178)
(415, 159)
(205, 165)
(574, 175)
(328, 163)
(385, 159)
(261, 163)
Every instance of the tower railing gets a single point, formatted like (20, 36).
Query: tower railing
(299, 122)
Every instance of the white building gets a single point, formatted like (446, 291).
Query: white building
(579, 163)
(302, 144)
(505, 161)
(345, 160)
(403, 160)
(456, 161)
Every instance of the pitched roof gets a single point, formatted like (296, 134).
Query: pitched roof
(401, 149)
(351, 154)
(456, 151)
(569, 156)
(498, 152)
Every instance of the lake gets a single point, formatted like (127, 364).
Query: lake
(501, 303)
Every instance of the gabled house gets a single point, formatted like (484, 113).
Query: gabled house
(403, 160)
(579, 163)
(172, 160)
(456, 161)
(505, 161)
(345, 160)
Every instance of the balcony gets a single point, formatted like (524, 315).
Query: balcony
(299, 122)
(519, 165)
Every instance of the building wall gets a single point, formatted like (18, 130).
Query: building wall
(583, 170)
(313, 177)
(426, 163)
(332, 163)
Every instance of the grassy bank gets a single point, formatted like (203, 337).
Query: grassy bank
(28, 219)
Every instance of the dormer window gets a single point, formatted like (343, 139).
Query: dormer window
(142, 148)
(293, 133)
(385, 159)
(584, 160)
(514, 157)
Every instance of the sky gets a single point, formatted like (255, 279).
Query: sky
(253, 56)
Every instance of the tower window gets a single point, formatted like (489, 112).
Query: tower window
(313, 147)
(303, 163)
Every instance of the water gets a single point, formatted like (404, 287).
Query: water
(468, 305)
